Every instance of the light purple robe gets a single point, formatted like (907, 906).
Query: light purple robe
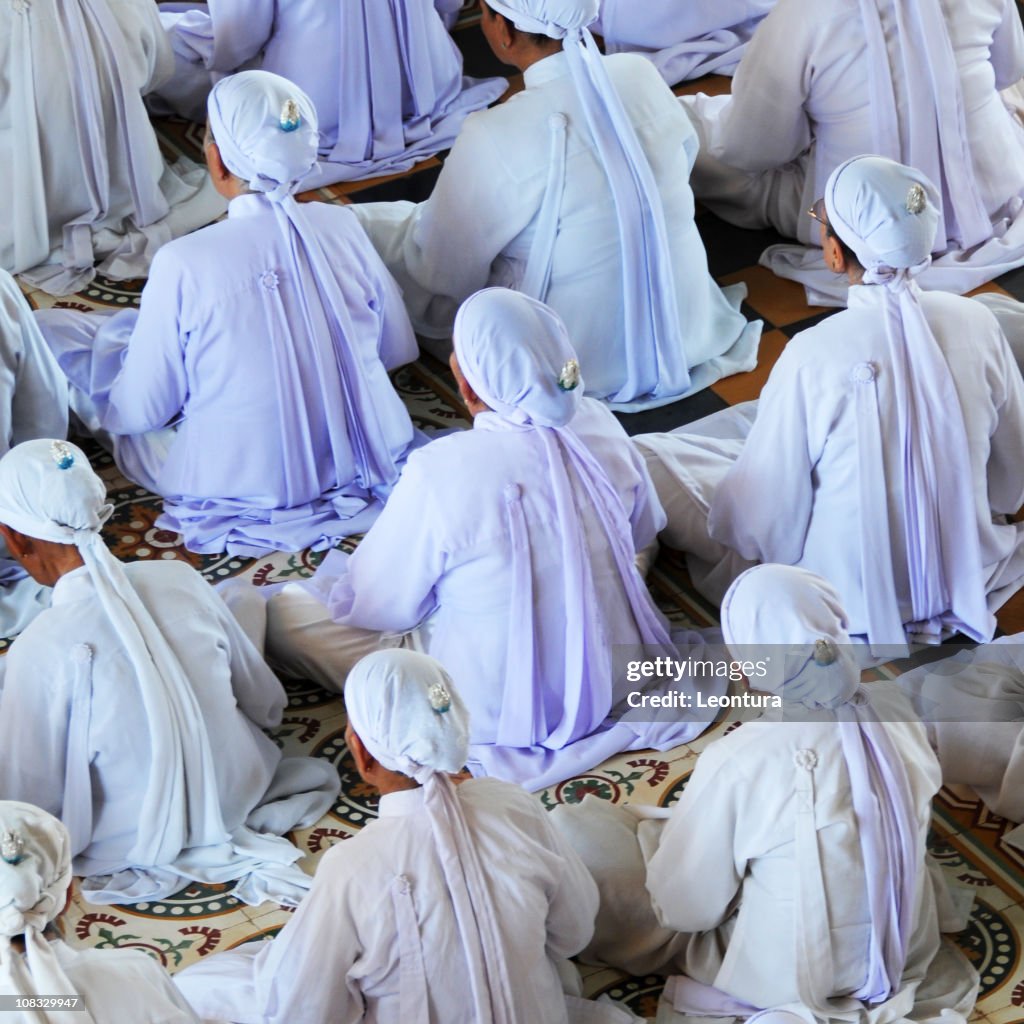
(260, 457)
(443, 557)
(384, 75)
(684, 38)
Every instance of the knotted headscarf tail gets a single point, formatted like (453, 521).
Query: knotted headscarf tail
(797, 622)
(917, 109)
(404, 708)
(652, 318)
(266, 130)
(35, 875)
(49, 491)
(515, 353)
(887, 214)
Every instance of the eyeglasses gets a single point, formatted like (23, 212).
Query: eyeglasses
(817, 212)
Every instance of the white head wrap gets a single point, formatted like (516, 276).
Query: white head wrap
(516, 355)
(887, 214)
(49, 491)
(35, 875)
(784, 605)
(404, 708)
(266, 130)
(652, 319)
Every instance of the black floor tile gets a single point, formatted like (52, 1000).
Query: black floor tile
(668, 417)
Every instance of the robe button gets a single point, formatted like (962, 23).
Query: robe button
(269, 280)
(806, 759)
(862, 373)
(20, 6)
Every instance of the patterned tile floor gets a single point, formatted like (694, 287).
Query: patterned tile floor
(201, 920)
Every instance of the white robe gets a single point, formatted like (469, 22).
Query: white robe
(67, 733)
(721, 875)
(118, 986)
(340, 959)
(479, 225)
(33, 404)
(44, 150)
(441, 561)
(768, 149)
(724, 481)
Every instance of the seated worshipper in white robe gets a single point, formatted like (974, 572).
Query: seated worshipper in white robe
(792, 872)
(547, 192)
(509, 549)
(684, 38)
(134, 708)
(458, 905)
(85, 177)
(890, 434)
(33, 403)
(973, 705)
(262, 344)
(915, 80)
(386, 78)
(108, 986)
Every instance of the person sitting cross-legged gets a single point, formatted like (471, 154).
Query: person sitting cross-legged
(134, 707)
(458, 905)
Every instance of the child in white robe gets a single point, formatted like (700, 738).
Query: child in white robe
(458, 905)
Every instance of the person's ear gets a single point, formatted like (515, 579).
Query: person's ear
(366, 763)
(17, 543)
(214, 161)
(835, 260)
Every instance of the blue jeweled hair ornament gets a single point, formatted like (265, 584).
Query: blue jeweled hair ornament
(440, 699)
(12, 848)
(291, 117)
(60, 452)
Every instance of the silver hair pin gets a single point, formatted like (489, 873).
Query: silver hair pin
(569, 378)
(60, 452)
(440, 699)
(291, 117)
(916, 199)
(12, 847)
(824, 652)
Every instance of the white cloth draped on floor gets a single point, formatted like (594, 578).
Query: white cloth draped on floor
(80, 155)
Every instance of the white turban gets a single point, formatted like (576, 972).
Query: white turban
(404, 708)
(266, 130)
(795, 622)
(552, 18)
(35, 875)
(516, 355)
(885, 212)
